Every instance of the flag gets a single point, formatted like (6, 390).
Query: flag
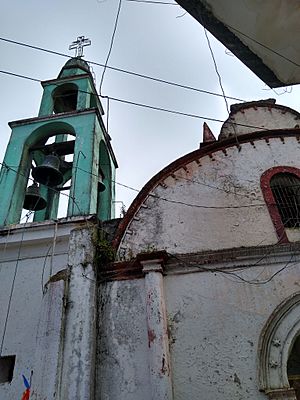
(26, 394)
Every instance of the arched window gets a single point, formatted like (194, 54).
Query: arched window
(293, 367)
(65, 98)
(286, 191)
(281, 190)
(279, 351)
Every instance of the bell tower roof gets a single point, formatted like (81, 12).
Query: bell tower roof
(67, 140)
(74, 66)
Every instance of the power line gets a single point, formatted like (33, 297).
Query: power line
(111, 44)
(148, 106)
(215, 187)
(206, 207)
(181, 113)
(12, 288)
(20, 76)
(263, 45)
(216, 69)
(233, 28)
(136, 74)
(220, 83)
(150, 195)
(181, 202)
(136, 190)
(226, 272)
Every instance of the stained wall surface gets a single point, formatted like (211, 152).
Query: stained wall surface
(122, 354)
(212, 202)
(215, 324)
(30, 254)
(215, 321)
(227, 270)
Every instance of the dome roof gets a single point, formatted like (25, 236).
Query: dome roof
(248, 117)
(74, 66)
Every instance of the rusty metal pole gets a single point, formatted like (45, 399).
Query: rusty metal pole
(158, 342)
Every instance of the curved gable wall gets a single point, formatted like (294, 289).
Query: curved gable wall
(254, 116)
(210, 199)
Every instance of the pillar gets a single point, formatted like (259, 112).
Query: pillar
(158, 341)
(79, 353)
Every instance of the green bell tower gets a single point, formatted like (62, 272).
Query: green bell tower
(65, 149)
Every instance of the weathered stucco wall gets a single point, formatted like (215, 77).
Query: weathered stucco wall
(215, 324)
(227, 271)
(258, 118)
(32, 252)
(211, 203)
(215, 321)
(122, 354)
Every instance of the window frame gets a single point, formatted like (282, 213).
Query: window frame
(271, 201)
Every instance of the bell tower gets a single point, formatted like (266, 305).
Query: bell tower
(65, 149)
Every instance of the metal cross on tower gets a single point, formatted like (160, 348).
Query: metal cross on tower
(79, 44)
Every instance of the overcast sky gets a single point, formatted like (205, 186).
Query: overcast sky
(152, 39)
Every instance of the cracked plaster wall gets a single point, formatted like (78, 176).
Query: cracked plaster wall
(215, 322)
(33, 270)
(222, 180)
(122, 354)
(260, 117)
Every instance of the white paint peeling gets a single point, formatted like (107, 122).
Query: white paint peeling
(229, 181)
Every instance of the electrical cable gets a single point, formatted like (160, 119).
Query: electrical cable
(226, 272)
(207, 207)
(151, 195)
(220, 84)
(216, 69)
(111, 45)
(12, 288)
(181, 113)
(136, 74)
(20, 76)
(216, 270)
(263, 45)
(158, 108)
(178, 202)
(231, 28)
(43, 269)
(53, 249)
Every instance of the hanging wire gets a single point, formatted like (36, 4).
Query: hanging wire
(43, 269)
(53, 249)
(111, 45)
(160, 108)
(157, 197)
(221, 85)
(234, 274)
(12, 288)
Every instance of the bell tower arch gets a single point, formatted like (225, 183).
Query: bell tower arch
(71, 113)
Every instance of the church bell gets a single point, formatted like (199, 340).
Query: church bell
(48, 172)
(33, 200)
(101, 186)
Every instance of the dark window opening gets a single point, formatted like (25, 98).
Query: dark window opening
(286, 191)
(93, 101)
(65, 98)
(293, 367)
(7, 365)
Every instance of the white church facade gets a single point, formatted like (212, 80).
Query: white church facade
(194, 294)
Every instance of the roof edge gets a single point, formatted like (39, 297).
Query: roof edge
(187, 158)
(226, 36)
